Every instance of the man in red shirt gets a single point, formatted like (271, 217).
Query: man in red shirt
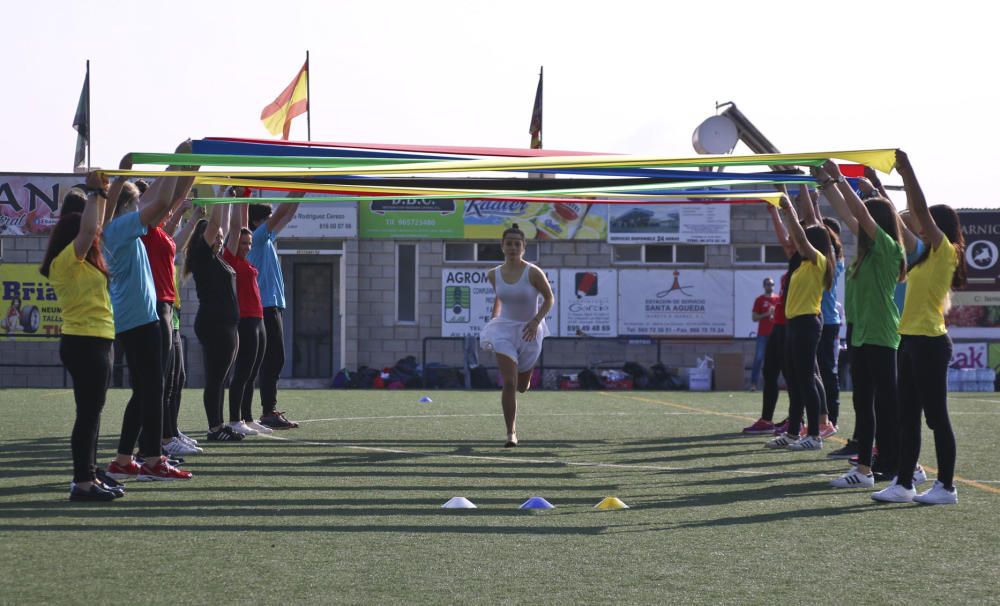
(763, 314)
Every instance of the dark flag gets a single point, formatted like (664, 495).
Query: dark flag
(536, 117)
(81, 122)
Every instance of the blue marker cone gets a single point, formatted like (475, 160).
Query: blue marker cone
(425, 400)
(536, 503)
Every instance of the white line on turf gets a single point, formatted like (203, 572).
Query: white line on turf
(491, 414)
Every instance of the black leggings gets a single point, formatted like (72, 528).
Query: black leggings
(826, 358)
(876, 405)
(144, 412)
(88, 360)
(248, 358)
(165, 312)
(774, 357)
(274, 358)
(804, 387)
(923, 387)
(172, 386)
(219, 342)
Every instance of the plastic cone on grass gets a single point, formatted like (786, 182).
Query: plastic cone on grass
(536, 503)
(425, 400)
(458, 503)
(611, 503)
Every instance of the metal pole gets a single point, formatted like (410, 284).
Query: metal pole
(308, 101)
(89, 129)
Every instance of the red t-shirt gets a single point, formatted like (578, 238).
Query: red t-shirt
(763, 305)
(247, 292)
(160, 248)
(779, 307)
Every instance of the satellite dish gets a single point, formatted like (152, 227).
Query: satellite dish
(716, 135)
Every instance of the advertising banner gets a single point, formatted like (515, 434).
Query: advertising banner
(29, 202)
(411, 219)
(675, 302)
(29, 309)
(969, 355)
(981, 229)
(487, 220)
(668, 223)
(589, 305)
(328, 220)
(974, 315)
(467, 302)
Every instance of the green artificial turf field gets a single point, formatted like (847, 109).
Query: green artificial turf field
(347, 508)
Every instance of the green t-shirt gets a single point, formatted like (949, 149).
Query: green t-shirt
(872, 286)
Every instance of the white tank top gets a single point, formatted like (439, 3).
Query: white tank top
(519, 301)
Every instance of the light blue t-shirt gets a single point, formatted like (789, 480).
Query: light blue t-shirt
(828, 305)
(133, 293)
(900, 295)
(264, 257)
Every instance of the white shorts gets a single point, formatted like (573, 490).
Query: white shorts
(505, 337)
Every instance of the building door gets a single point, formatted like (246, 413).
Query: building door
(311, 350)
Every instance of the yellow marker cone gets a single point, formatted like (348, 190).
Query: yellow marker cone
(611, 503)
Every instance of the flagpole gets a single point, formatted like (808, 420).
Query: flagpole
(541, 78)
(308, 101)
(89, 131)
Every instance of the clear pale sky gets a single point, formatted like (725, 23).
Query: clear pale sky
(625, 76)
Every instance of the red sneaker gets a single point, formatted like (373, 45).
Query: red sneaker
(827, 430)
(122, 472)
(760, 426)
(162, 471)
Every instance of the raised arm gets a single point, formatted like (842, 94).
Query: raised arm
(796, 233)
(97, 184)
(915, 201)
(177, 210)
(834, 195)
(780, 233)
(181, 235)
(166, 190)
(239, 219)
(285, 212)
(873, 178)
(116, 190)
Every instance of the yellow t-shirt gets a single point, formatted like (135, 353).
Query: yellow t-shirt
(805, 288)
(928, 286)
(83, 295)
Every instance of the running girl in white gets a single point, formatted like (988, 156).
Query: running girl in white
(517, 326)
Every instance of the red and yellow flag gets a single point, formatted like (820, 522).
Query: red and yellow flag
(293, 101)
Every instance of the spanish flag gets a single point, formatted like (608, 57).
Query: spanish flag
(293, 101)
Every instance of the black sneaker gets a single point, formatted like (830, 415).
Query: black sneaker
(95, 493)
(851, 449)
(108, 482)
(225, 434)
(276, 420)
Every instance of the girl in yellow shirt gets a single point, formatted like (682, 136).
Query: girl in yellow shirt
(925, 348)
(75, 267)
(804, 327)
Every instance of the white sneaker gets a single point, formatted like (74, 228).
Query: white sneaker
(177, 447)
(783, 441)
(262, 429)
(854, 479)
(919, 475)
(807, 443)
(241, 428)
(183, 437)
(894, 493)
(937, 495)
